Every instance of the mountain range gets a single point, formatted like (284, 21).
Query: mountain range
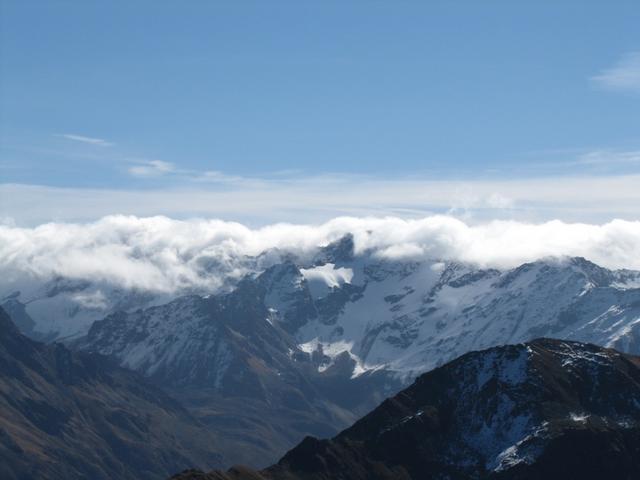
(307, 344)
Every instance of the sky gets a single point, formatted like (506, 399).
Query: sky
(302, 111)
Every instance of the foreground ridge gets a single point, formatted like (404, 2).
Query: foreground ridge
(71, 415)
(543, 409)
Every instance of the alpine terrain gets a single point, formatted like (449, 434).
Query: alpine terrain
(545, 409)
(307, 343)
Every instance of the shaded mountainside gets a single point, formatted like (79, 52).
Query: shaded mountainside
(73, 415)
(546, 409)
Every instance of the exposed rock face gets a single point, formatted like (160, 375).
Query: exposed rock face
(72, 415)
(547, 409)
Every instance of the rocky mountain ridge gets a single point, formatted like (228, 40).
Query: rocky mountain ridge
(379, 315)
(546, 409)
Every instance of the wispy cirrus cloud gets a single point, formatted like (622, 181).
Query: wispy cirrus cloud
(151, 168)
(623, 75)
(99, 142)
(609, 158)
(588, 162)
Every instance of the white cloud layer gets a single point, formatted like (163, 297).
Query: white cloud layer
(164, 254)
(591, 199)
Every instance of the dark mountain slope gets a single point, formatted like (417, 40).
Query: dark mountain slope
(547, 409)
(66, 415)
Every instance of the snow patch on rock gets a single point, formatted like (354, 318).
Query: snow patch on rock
(323, 278)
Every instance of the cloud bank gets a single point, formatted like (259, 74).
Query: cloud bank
(163, 254)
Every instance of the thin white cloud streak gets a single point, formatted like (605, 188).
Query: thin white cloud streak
(151, 168)
(584, 199)
(157, 168)
(89, 140)
(623, 76)
(142, 168)
(163, 254)
(609, 158)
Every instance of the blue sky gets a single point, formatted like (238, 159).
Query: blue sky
(220, 101)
